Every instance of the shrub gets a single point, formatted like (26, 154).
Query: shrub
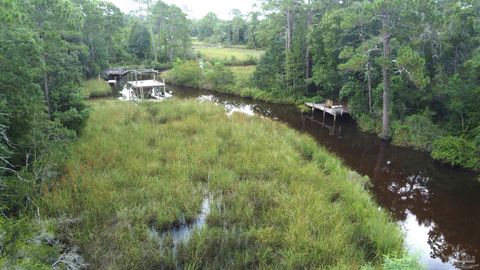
(219, 76)
(368, 124)
(25, 245)
(50, 145)
(186, 73)
(162, 66)
(417, 131)
(405, 262)
(456, 152)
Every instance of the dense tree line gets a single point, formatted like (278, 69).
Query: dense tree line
(47, 49)
(408, 69)
(241, 29)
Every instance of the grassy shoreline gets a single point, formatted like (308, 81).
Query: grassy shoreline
(279, 201)
(96, 88)
(415, 132)
(240, 86)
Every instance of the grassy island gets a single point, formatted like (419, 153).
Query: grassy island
(142, 172)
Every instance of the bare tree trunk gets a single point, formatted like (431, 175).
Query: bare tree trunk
(46, 89)
(369, 85)
(92, 51)
(46, 92)
(153, 44)
(463, 121)
(289, 28)
(455, 60)
(386, 77)
(307, 50)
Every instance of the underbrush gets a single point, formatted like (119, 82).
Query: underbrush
(31, 244)
(415, 131)
(95, 88)
(279, 201)
(457, 151)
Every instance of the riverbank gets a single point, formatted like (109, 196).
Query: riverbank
(277, 200)
(416, 131)
(235, 80)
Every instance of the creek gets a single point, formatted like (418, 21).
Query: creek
(437, 206)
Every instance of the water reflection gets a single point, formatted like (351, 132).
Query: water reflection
(438, 207)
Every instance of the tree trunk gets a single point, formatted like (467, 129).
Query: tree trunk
(153, 44)
(46, 92)
(254, 38)
(386, 77)
(46, 89)
(307, 47)
(369, 85)
(289, 28)
(455, 60)
(92, 51)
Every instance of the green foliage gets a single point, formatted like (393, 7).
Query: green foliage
(417, 131)
(26, 244)
(101, 31)
(188, 73)
(267, 75)
(8, 11)
(48, 148)
(405, 262)
(139, 40)
(218, 76)
(170, 32)
(456, 152)
(411, 63)
(368, 124)
(461, 100)
(278, 201)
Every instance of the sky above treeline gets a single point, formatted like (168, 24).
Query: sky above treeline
(196, 9)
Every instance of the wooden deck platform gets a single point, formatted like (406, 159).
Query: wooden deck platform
(333, 110)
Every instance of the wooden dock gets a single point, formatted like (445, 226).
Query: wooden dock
(332, 110)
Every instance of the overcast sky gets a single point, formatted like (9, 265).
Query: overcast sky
(197, 8)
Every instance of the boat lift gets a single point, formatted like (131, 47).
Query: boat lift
(144, 84)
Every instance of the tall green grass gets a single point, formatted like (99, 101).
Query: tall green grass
(220, 53)
(279, 201)
(95, 88)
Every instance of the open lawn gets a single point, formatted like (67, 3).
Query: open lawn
(270, 196)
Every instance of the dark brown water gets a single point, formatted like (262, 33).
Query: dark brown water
(438, 207)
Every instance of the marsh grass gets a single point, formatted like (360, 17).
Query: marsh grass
(279, 201)
(243, 73)
(230, 55)
(95, 88)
